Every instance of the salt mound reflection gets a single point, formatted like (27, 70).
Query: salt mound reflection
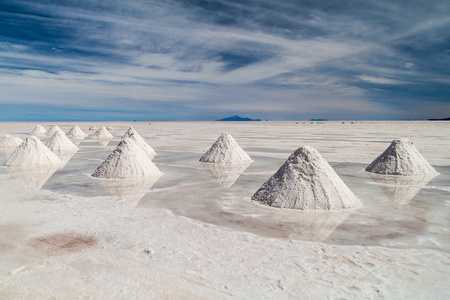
(401, 189)
(34, 177)
(128, 189)
(226, 173)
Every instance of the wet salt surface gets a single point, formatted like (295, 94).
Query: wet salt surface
(188, 189)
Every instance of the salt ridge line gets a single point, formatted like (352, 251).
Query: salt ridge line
(401, 158)
(137, 138)
(225, 150)
(127, 161)
(32, 152)
(306, 181)
(60, 143)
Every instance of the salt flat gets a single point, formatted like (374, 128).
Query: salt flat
(190, 235)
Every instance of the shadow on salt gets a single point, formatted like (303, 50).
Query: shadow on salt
(401, 189)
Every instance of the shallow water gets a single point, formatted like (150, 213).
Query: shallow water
(404, 214)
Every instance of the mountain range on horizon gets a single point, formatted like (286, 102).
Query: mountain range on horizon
(237, 118)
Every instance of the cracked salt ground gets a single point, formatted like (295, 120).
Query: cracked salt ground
(190, 237)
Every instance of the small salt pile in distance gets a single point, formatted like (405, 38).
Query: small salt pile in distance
(225, 150)
(102, 134)
(39, 130)
(76, 133)
(92, 128)
(306, 181)
(61, 144)
(9, 143)
(401, 158)
(132, 134)
(32, 152)
(109, 128)
(127, 161)
(51, 131)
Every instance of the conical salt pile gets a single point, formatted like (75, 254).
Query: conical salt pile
(127, 161)
(401, 158)
(132, 134)
(9, 143)
(51, 131)
(32, 152)
(102, 134)
(60, 143)
(225, 150)
(306, 181)
(76, 133)
(39, 130)
(93, 127)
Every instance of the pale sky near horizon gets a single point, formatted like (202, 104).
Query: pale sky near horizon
(205, 60)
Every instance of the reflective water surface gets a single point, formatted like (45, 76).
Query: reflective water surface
(397, 212)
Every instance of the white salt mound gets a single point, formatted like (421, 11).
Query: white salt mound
(51, 131)
(102, 134)
(401, 158)
(93, 127)
(39, 130)
(76, 133)
(306, 181)
(127, 161)
(32, 152)
(60, 143)
(132, 134)
(225, 150)
(10, 141)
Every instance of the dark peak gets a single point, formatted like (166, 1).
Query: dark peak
(237, 118)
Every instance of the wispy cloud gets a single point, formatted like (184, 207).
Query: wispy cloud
(282, 60)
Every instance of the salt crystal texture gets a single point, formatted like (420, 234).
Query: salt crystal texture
(132, 134)
(39, 130)
(60, 143)
(225, 150)
(306, 181)
(76, 133)
(127, 161)
(102, 134)
(401, 158)
(51, 131)
(93, 127)
(32, 152)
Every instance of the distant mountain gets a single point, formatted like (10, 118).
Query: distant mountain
(446, 119)
(237, 118)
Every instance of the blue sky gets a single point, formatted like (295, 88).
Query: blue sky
(204, 60)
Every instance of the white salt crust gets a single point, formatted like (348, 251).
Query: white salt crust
(306, 181)
(225, 150)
